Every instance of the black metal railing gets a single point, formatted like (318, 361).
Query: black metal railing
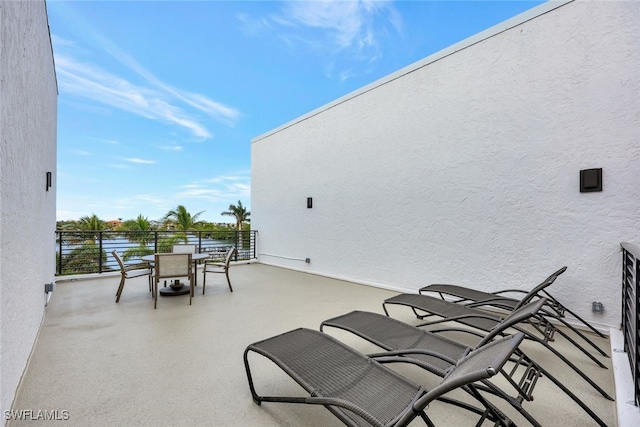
(86, 252)
(631, 311)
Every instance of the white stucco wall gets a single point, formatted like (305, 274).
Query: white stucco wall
(464, 168)
(28, 117)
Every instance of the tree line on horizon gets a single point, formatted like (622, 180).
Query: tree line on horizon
(86, 255)
(176, 219)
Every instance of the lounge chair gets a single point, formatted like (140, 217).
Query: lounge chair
(361, 391)
(437, 354)
(498, 299)
(483, 321)
(544, 326)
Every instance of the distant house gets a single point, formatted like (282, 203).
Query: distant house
(113, 224)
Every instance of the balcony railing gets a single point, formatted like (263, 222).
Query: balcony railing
(631, 311)
(86, 252)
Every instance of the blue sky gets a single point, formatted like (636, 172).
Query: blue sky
(158, 100)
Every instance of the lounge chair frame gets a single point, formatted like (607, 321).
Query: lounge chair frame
(361, 391)
(478, 299)
(404, 340)
(450, 312)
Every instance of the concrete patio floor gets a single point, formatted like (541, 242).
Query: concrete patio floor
(99, 363)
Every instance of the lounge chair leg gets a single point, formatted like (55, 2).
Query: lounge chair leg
(565, 360)
(571, 395)
(580, 334)
(579, 347)
(584, 322)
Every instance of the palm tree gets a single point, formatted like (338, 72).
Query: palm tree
(88, 224)
(91, 223)
(241, 214)
(84, 259)
(182, 219)
(141, 223)
(85, 255)
(141, 232)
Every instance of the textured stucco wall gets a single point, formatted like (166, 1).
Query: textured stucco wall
(465, 169)
(28, 108)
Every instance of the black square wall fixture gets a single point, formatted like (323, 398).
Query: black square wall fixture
(309, 202)
(590, 180)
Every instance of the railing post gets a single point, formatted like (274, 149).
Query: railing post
(236, 245)
(100, 252)
(61, 236)
(255, 243)
(155, 241)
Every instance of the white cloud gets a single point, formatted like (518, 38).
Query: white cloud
(172, 147)
(156, 100)
(343, 19)
(350, 29)
(219, 188)
(82, 152)
(139, 161)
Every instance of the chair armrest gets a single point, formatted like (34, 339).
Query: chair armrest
(215, 263)
(138, 266)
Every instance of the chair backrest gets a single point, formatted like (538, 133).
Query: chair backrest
(172, 265)
(521, 314)
(480, 364)
(184, 249)
(230, 253)
(117, 257)
(534, 292)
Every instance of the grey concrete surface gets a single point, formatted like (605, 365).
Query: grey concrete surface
(98, 363)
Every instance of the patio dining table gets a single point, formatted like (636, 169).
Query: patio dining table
(183, 290)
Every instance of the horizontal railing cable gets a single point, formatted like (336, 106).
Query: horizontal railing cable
(88, 252)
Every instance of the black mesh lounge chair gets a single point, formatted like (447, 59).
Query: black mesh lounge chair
(437, 354)
(546, 328)
(359, 390)
(481, 320)
(501, 300)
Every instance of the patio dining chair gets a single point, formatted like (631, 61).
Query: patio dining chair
(183, 249)
(502, 300)
(172, 266)
(437, 354)
(216, 268)
(424, 306)
(130, 271)
(360, 391)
